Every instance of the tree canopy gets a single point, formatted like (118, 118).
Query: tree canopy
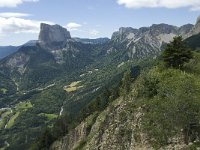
(176, 53)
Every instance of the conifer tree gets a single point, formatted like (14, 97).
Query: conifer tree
(176, 53)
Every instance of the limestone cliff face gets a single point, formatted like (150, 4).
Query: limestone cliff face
(116, 128)
(146, 41)
(53, 33)
(196, 29)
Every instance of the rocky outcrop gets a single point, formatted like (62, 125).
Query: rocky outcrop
(53, 33)
(123, 33)
(185, 29)
(72, 139)
(76, 137)
(196, 29)
(146, 41)
(17, 62)
(116, 128)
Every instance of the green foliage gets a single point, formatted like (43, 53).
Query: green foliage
(12, 120)
(46, 140)
(126, 83)
(49, 116)
(193, 41)
(194, 65)
(176, 53)
(67, 122)
(41, 71)
(171, 104)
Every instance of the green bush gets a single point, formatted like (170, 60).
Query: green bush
(176, 53)
(175, 105)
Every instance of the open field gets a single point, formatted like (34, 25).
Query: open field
(73, 86)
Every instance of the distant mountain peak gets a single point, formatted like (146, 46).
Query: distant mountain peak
(196, 29)
(53, 33)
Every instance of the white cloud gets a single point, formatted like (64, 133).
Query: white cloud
(191, 4)
(13, 14)
(72, 26)
(94, 32)
(18, 25)
(14, 3)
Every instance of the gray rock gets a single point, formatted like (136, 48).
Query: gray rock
(185, 29)
(196, 29)
(53, 33)
(149, 41)
(143, 42)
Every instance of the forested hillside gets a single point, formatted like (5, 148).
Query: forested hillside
(81, 93)
(159, 109)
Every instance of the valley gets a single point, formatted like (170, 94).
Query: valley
(61, 88)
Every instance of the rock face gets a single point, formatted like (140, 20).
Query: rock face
(116, 128)
(19, 60)
(72, 139)
(185, 29)
(146, 41)
(196, 29)
(53, 33)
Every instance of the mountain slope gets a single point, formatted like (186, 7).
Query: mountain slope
(58, 76)
(7, 50)
(146, 41)
(193, 41)
(34, 66)
(151, 116)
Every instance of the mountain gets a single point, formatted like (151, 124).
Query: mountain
(31, 43)
(54, 54)
(53, 33)
(7, 50)
(195, 30)
(59, 77)
(146, 41)
(149, 115)
(185, 29)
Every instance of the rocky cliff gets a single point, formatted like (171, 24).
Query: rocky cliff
(53, 33)
(116, 128)
(147, 41)
(196, 29)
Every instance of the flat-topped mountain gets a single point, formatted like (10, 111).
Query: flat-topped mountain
(57, 48)
(58, 74)
(53, 33)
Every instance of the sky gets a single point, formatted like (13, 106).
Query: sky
(20, 19)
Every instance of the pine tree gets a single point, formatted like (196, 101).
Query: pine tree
(176, 53)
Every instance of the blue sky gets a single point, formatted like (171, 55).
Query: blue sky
(20, 19)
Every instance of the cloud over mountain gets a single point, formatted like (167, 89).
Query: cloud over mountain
(19, 25)
(73, 26)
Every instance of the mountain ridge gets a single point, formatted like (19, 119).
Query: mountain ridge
(63, 76)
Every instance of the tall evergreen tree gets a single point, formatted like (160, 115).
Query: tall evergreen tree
(176, 53)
